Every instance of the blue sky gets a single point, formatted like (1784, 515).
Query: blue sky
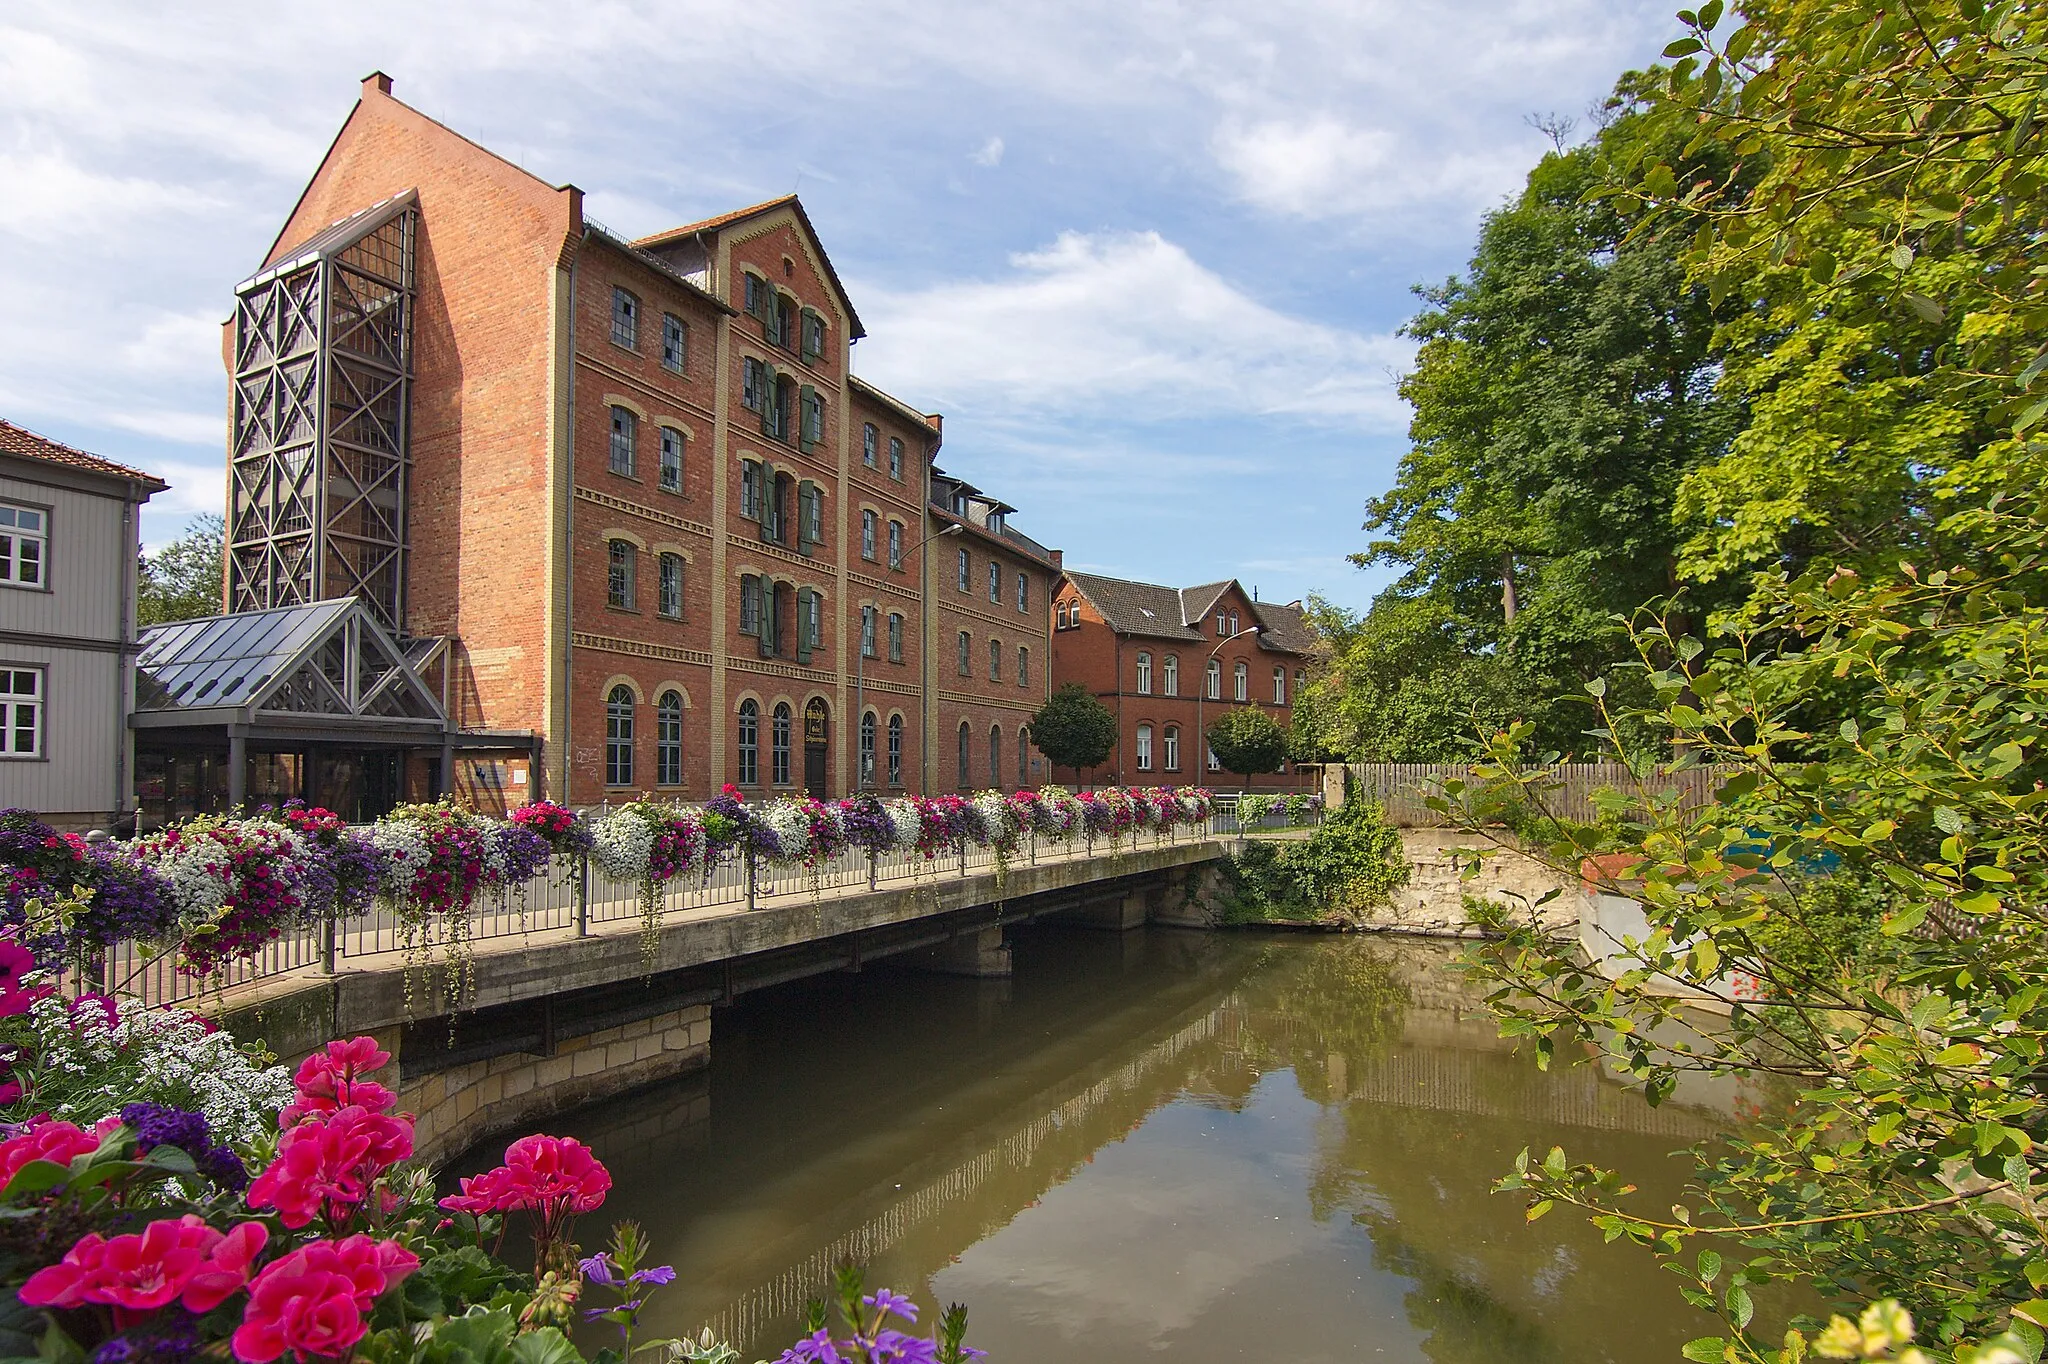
(1150, 258)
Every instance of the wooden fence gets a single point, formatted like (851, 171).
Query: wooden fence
(1405, 788)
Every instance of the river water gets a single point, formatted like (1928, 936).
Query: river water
(1201, 1147)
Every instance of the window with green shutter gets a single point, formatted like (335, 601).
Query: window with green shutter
(810, 426)
(771, 504)
(810, 516)
(813, 335)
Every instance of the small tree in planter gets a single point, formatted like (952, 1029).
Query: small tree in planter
(1073, 729)
(1246, 740)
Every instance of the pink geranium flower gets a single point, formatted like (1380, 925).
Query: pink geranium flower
(326, 1165)
(17, 961)
(311, 1302)
(557, 1170)
(331, 1079)
(136, 1274)
(61, 1142)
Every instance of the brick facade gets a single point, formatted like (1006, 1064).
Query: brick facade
(1145, 652)
(642, 479)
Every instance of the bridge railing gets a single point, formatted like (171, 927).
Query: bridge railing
(574, 898)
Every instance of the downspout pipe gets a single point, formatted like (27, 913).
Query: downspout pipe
(569, 549)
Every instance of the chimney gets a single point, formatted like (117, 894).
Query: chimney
(379, 80)
(1059, 558)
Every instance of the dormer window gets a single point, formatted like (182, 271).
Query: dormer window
(959, 504)
(995, 523)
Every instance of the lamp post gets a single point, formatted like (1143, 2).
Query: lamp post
(860, 654)
(1202, 691)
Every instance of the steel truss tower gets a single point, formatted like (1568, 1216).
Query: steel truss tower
(319, 462)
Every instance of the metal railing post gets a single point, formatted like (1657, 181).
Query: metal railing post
(750, 873)
(872, 856)
(583, 895)
(963, 854)
(330, 942)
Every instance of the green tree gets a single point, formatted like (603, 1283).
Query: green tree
(1906, 1162)
(1246, 740)
(1889, 339)
(183, 579)
(1073, 729)
(1563, 388)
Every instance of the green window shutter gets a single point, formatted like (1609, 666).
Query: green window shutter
(771, 619)
(768, 502)
(806, 400)
(813, 329)
(805, 491)
(803, 625)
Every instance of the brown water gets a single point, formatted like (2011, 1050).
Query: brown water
(1210, 1147)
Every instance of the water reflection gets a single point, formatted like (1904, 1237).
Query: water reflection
(1226, 1147)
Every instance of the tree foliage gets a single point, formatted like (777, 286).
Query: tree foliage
(183, 579)
(1885, 260)
(1246, 740)
(1906, 1162)
(1564, 387)
(1073, 729)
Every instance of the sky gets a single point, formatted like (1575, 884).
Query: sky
(1151, 258)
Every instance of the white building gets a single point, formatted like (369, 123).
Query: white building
(69, 542)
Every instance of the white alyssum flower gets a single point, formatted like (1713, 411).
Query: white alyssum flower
(620, 843)
(86, 1068)
(908, 823)
(403, 847)
(791, 825)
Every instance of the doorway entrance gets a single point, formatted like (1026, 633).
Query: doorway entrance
(817, 740)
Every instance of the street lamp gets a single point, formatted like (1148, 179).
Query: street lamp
(1202, 690)
(863, 772)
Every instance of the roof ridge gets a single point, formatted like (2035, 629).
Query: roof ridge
(67, 456)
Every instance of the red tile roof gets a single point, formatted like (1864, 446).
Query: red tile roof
(26, 444)
(706, 224)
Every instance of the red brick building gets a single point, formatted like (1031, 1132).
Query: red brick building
(623, 502)
(990, 642)
(1169, 661)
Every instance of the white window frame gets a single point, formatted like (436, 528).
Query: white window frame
(1169, 748)
(1241, 681)
(1169, 675)
(1279, 686)
(1144, 748)
(24, 688)
(15, 540)
(1144, 671)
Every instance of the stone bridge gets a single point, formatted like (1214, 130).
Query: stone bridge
(555, 1015)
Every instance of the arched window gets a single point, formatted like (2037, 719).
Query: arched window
(625, 436)
(868, 523)
(963, 755)
(1023, 755)
(995, 755)
(1241, 675)
(867, 750)
(750, 743)
(1023, 666)
(1279, 686)
(668, 739)
(995, 660)
(671, 460)
(618, 736)
(895, 544)
(1169, 675)
(1215, 680)
(1144, 748)
(895, 750)
(671, 600)
(621, 569)
(895, 637)
(778, 745)
(1170, 748)
(1144, 674)
(870, 444)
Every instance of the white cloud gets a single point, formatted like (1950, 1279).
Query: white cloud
(1125, 325)
(990, 154)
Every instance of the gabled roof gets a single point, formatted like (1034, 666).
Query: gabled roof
(1286, 628)
(641, 256)
(328, 661)
(23, 443)
(1157, 612)
(740, 215)
(1135, 608)
(1196, 601)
